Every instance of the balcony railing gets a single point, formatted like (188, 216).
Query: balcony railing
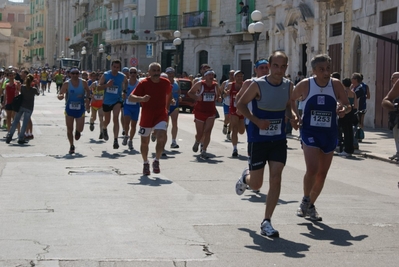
(169, 22)
(97, 25)
(130, 4)
(197, 19)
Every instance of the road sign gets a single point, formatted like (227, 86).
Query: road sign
(149, 51)
(109, 57)
(133, 62)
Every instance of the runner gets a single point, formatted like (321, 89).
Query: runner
(12, 89)
(154, 93)
(59, 79)
(131, 110)
(43, 80)
(96, 104)
(113, 82)
(174, 106)
(319, 132)
(78, 96)
(226, 104)
(205, 92)
(267, 142)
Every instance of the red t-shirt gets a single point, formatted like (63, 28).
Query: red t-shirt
(154, 111)
(208, 98)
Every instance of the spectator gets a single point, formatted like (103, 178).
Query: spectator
(244, 13)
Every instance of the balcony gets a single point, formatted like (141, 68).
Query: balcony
(28, 28)
(166, 25)
(39, 25)
(138, 37)
(113, 36)
(97, 25)
(132, 4)
(197, 21)
(83, 2)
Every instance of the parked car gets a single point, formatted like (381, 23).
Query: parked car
(186, 102)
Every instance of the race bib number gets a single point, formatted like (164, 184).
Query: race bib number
(98, 97)
(74, 105)
(208, 97)
(273, 129)
(130, 102)
(112, 90)
(320, 118)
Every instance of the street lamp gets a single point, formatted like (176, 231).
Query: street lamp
(72, 53)
(62, 54)
(177, 42)
(256, 28)
(101, 51)
(84, 57)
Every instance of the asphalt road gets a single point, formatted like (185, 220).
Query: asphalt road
(96, 209)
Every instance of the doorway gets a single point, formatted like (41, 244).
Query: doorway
(246, 67)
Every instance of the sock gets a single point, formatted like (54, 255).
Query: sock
(173, 141)
(156, 159)
(235, 147)
(146, 162)
(306, 199)
(115, 140)
(266, 220)
(311, 206)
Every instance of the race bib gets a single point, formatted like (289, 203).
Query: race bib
(320, 118)
(130, 102)
(74, 105)
(273, 129)
(98, 97)
(208, 97)
(112, 90)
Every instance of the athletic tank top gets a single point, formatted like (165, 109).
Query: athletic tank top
(113, 94)
(208, 98)
(75, 96)
(271, 106)
(320, 108)
(129, 91)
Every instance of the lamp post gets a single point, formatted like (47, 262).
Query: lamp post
(72, 53)
(177, 43)
(62, 56)
(256, 28)
(84, 57)
(101, 51)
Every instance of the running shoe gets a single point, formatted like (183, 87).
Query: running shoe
(204, 155)
(72, 149)
(174, 145)
(228, 137)
(116, 145)
(146, 169)
(105, 134)
(195, 147)
(240, 185)
(155, 167)
(344, 154)
(302, 211)
(101, 136)
(125, 138)
(163, 154)
(313, 215)
(29, 137)
(267, 229)
(130, 144)
(224, 129)
(395, 156)
(22, 141)
(91, 126)
(235, 153)
(8, 138)
(123, 132)
(77, 135)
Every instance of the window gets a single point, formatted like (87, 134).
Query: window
(21, 17)
(389, 16)
(336, 29)
(11, 17)
(1, 17)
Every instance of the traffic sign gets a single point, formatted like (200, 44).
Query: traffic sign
(133, 62)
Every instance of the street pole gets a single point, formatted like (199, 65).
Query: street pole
(256, 28)
(177, 42)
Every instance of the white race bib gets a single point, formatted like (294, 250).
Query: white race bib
(208, 97)
(74, 105)
(130, 102)
(98, 97)
(273, 129)
(320, 118)
(112, 90)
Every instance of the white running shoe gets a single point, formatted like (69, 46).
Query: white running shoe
(240, 185)
(267, 229)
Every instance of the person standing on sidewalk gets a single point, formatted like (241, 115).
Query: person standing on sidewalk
(391, 103)
(267, 141)
(131, 110)
(77, 101)
(155, 95)
(320, 95)
(113, 82)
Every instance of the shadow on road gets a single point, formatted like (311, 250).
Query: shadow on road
(338, 237)
(145, 180)
(276, 245)
(258, 197)
(68, 156)
(105, 154)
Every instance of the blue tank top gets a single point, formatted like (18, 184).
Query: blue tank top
(113, 94)
(129, 90)
(320, 108)
(75, 97)
(175, 93)
(271, 106)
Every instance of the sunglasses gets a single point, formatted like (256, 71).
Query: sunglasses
(75, 73)
(133, 72)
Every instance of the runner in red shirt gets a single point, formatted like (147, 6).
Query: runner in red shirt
(205, 92)
(155, 95)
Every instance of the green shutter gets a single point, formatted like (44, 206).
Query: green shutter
(134, 23)
(203, 5)
(173, 12)
(1, 17)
